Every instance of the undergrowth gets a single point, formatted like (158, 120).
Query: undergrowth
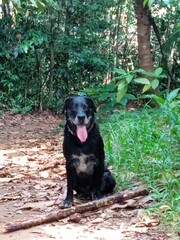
(144, 149)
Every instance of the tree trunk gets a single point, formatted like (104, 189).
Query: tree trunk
(65, 58)
(52, 58)
(145, 56)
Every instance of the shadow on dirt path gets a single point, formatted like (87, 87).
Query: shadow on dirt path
(33, 181)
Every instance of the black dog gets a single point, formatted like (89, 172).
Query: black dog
(83, 149)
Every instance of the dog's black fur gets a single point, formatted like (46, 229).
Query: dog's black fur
(83, 149)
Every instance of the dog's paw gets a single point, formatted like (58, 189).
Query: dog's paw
(96, 195)
(65, 204)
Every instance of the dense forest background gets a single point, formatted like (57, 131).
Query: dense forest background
(115, 51)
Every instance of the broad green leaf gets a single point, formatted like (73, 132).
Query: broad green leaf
(139, 71)
(145, 2)
(155, 83)
(142, 71)
(5, 1)
(158, 71)
(117, 78)
(120, 71)
(172, 94)
(40, 6)
(124, 101)
(129, 78)
(153, 96)
(130, 96)
(144, 96)
(121, 93)
(109, 87)
(146, 87)
(159, 99)
(126, 97)
(121, 85)
(142, 80)
(149, 74)
(162, 76)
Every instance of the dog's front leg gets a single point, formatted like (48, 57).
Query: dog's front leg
(69, 197)
(97, 193)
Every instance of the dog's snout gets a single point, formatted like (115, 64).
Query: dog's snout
(81, 117)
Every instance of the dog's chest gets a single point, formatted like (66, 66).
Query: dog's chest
(84, 164)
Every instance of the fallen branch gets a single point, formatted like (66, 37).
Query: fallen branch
(63, 213)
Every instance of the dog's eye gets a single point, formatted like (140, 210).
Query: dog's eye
(73, 108)
(92, 159)
(85, 107)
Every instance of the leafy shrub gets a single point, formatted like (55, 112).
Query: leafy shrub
(124, 79)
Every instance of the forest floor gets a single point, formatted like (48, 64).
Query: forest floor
(33, 183)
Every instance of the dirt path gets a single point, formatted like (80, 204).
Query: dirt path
(33, 180)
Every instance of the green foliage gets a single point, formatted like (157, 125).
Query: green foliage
(45, 56)
(41, 5)
(115, 94)
(148, 2)
(123, 80)
(173, 38)
(143, 148)
(105, 97)
(169, 105)
(167, 16)
(50, 49)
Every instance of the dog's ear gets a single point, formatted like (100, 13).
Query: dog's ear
(92, 103)
(65, 105)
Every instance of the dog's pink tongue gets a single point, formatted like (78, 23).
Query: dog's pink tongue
(82, 133)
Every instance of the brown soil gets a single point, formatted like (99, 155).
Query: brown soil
(33, 183)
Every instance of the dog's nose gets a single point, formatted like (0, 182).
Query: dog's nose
(81, 118)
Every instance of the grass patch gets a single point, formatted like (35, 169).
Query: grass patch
(144, 147)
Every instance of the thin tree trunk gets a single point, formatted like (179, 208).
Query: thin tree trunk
(51, 78)
(116, 33)
(65, 78)
(145, 56)
(125, 22)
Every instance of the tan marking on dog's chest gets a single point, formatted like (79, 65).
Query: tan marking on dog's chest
(84, 163)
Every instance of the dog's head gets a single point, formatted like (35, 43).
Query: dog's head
(79, 111)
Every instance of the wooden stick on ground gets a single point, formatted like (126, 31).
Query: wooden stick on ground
(63, 213)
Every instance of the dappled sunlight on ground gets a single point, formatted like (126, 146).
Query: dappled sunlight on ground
(80, 232)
